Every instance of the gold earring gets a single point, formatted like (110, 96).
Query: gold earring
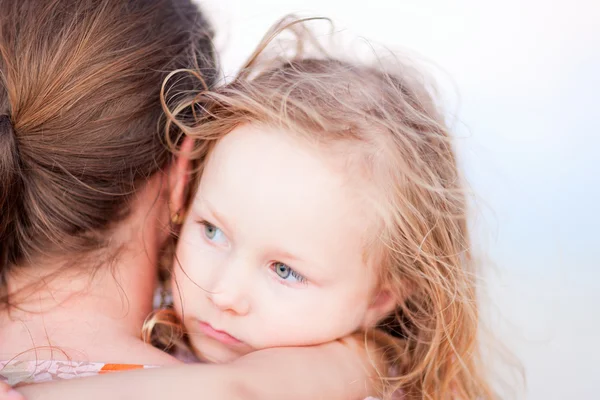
(177, 218)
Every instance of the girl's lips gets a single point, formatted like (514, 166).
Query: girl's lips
(220, 336)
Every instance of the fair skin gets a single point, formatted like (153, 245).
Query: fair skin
(331, 371)
(272, 252)
(338, 283)
(92, 318)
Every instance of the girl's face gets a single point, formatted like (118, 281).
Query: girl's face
(272, 251)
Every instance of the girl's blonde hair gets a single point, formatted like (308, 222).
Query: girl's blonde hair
(390, 123)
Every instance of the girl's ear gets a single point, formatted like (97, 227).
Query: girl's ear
(384, 302)
(179, 177)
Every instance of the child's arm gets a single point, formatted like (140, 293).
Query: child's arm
(331, 371)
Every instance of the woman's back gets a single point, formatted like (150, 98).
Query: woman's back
(83, 209)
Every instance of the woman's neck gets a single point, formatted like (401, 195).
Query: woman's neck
(83, 317)
(87, 314)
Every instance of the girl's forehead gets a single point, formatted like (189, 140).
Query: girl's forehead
(272, 189)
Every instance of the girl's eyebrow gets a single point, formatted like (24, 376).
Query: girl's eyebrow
(289, 256)
(220, 220)
(312, 268)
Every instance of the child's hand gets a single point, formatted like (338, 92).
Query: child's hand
(8, 393)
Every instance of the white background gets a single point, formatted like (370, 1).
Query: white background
(525, 80)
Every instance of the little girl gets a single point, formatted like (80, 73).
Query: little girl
(328, 205)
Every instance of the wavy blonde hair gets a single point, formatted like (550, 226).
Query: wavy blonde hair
(388, 121)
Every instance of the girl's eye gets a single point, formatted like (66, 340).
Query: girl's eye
(213, 233)
(287, 274)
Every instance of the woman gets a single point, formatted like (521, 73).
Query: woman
(82, 202)
(83, 192)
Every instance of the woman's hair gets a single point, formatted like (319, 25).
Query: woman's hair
(388, 124)
(80, 115)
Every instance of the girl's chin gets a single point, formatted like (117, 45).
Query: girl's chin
(210, 351)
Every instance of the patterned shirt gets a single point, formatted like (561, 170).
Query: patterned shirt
(19, 372)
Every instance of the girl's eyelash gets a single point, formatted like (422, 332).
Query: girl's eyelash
(296, 275)
(299, 277)
(205, 223)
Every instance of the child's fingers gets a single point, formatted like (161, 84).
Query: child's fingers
(8, 393)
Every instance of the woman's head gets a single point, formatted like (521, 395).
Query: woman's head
(80, 116)
(377, 161)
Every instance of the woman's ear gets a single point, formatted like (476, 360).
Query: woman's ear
(179, 176)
